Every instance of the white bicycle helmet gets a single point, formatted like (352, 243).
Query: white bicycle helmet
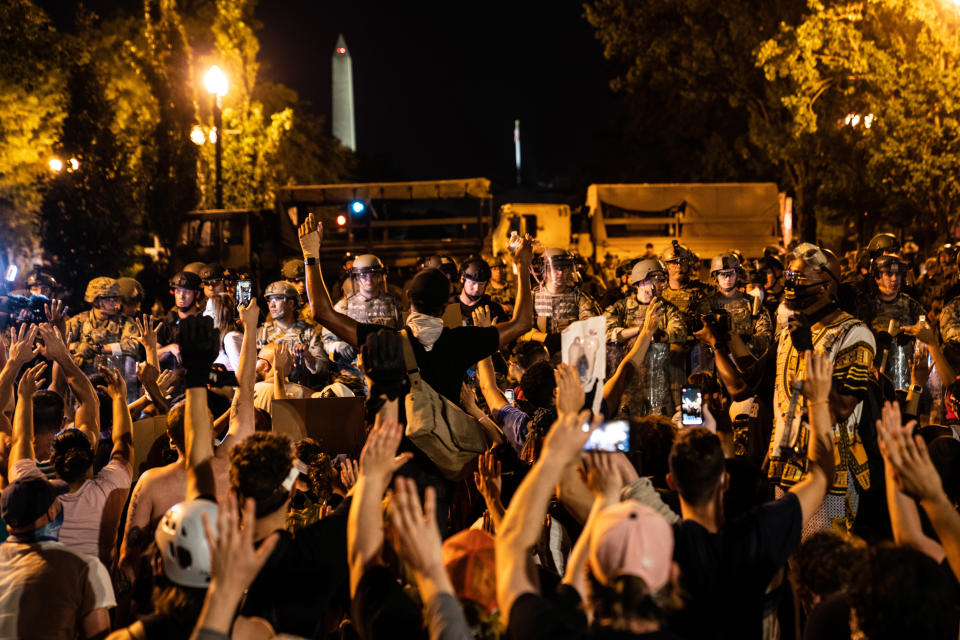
(183, 545)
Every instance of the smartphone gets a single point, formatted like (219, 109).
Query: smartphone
(244, 292)
(691, 407)
(611, 437)
(509, 395)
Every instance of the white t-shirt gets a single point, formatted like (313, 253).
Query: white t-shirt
(47, 589)
(230, 351)
(85, 511)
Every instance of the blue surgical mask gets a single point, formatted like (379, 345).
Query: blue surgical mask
(51, 530)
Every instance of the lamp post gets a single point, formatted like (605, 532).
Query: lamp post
(216, 83)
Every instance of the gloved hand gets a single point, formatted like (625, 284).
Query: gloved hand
(199, 347)
(383, 363)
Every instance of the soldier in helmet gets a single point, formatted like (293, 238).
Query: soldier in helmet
(935, 285)
(557, 301)
(41, 283)
(101, 329)
(368, 303)
(186, 287)
(625, 319)
(283, 325)
(292, 271)
(621, 288)
(682, 291)
(131, 295)
(755, 330)
(892, 305)
(214, 279)
(501, 288)
(474, 279)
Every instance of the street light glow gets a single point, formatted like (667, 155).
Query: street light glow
(341, 220)
(197, 136)
(74, 164)
(216, 81)
(213, 135)
(56, 164)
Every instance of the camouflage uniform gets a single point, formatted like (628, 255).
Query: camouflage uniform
(382, 310)
(686, 300)
(755, 331)
(657, 392)
(552, 313)
(299, 332)
(934, 284)
(905, 312)
(86, 337)
(505, 295)
(950, 332)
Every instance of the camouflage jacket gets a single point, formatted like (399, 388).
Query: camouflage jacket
(299, 332)
(877, 314)
(505, 295)
(86, 336)
(756, 331)
(934, 284)
(552, 313)
(382, 310)
(950, 322)
(630, 312)
(687, 299)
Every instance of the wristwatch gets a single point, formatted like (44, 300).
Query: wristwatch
(915, 388)
(309, 261)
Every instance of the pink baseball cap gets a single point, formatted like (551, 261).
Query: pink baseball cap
(469, 559)
(631, 539)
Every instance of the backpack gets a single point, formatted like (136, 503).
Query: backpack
(450, 437)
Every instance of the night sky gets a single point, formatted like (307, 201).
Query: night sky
(438, 85)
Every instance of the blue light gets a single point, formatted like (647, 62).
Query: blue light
(357, 207)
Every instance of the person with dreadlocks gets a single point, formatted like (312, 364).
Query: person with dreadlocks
(819, 324)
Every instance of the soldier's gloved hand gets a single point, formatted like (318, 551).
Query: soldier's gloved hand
(346, 353)
(383, 363)
(199, 347)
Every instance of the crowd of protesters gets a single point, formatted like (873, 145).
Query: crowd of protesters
(816, 498)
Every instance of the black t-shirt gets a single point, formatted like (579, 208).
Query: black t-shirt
(444, 366)
(724, 575)
(382, 609)
(534, 616)
(497, 314)
(302, 577)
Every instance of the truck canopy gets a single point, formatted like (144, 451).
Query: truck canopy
(709, 218)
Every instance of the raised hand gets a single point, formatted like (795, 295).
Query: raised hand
(379, 459)
(22, 349)
(311, 237)
(919, 367)
(523, 254)
(234, 562)
(914, 472)
(349, 471)
(166, 381)
(564, 443)
(30, 381)
(282, 359)
(148, 332)
(601, 475)
(487, 476)
(818, 377)
(922, 331)
(416, 529)
(147, 374)
(570, 393)
(481, 317)
(249, 315)
(651, 320)
(116, 386)
(56, 313)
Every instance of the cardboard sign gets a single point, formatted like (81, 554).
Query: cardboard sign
(584, 347)
(338, 424)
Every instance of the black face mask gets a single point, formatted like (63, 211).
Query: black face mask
(798, 297)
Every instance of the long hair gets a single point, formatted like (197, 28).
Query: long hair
(224, 314)
(629, 599)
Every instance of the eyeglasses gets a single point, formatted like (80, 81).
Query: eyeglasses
(727, 273)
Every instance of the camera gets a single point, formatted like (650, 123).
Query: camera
(719, 321)
(27, 309)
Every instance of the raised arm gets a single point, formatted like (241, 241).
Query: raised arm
(199, 347)
(116, 388)
(615, 386)
(22, 447)
(241, 411)
(22, 351)
(916, 476)
(820, 458)
(523, 522)
(311, 236)
(282, 363)
(148, 338)
(522, 318)
(904, 515)
(87, 418)
(925, 334)
(486, 375)
(378, 462)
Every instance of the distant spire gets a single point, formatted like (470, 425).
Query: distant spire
(344, 127)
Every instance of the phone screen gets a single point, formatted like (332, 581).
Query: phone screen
(691, 407)
(244, 291)
(509, 395)
(610, 436)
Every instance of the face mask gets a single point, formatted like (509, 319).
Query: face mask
(48, 532)
(800, 296)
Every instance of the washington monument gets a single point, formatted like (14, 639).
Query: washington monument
(344, 128)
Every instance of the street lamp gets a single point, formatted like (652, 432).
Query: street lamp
(216, 83)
